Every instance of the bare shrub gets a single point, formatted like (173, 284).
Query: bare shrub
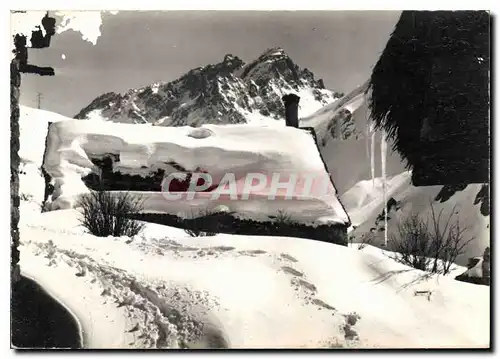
(448, 242)
(195, 223)
(283, 217)
(433, 246)
(366, 239)
(413, 245)
(109, 214)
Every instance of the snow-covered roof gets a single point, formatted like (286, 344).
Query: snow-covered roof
(218, 150)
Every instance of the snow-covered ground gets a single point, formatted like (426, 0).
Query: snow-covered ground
(166, 289)
(364, 203)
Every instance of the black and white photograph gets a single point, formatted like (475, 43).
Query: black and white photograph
(217, 179)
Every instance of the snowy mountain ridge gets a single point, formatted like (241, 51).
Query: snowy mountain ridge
(227, 92)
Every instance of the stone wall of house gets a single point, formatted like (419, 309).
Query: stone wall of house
(226, 223)
(485, 270)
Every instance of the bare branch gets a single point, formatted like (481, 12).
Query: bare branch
(419, 244)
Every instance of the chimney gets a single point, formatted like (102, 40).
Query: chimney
(291, 110)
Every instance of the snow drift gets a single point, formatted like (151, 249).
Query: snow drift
(33, 126)
(165, 290)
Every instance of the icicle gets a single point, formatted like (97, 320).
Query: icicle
(370, 141)
(372, 155)
(383, 158)
(367, 139)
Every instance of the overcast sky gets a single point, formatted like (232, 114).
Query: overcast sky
(138, 48)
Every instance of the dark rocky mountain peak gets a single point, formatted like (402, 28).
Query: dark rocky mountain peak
(229, 91)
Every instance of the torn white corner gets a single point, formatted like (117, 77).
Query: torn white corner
(383, 158)
(24, 23)
(87, 23)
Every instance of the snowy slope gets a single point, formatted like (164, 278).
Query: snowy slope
(166, 290)
(346, 145)
(238, 149)
(33, 125)
(365, 199)
(364, 203)
(322, 117)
